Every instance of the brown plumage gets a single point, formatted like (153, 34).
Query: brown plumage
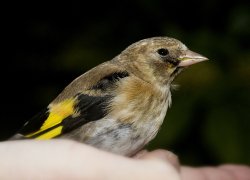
(119, 105)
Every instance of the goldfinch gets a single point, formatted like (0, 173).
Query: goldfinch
(119, 105)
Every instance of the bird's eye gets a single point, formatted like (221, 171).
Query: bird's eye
(163, 52)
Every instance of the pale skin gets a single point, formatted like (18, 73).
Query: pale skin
(64, 159)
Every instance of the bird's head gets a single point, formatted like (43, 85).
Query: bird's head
(159, 59)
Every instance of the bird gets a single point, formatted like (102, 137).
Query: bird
(119, 105)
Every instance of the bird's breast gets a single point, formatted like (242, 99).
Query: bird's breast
(143, 106)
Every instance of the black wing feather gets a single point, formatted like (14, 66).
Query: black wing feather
(35, 123)
(91, 108)
(110, 80)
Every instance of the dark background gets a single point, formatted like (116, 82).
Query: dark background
(47, 45)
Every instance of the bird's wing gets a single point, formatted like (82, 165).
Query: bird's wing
(65, 116)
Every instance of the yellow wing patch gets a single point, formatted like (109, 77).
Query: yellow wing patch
(57, 113)
(53, 133)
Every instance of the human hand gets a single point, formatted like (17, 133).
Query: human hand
(63, 159)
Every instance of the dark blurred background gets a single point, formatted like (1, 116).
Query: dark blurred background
(47, 45)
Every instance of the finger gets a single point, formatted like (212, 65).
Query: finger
(239, 172)
(162, 155)
(229, 172)
(140, 154)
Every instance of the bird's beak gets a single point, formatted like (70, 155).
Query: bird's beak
(188, 58)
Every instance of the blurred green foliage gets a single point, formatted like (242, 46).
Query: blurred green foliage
(209, 121)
